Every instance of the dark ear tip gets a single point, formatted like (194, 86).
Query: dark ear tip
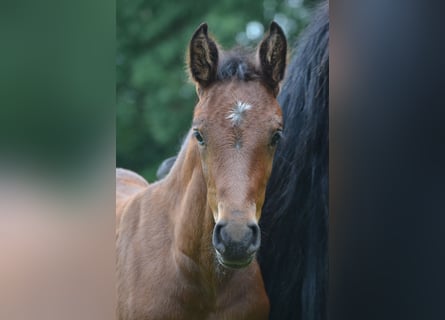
(275, 28)
(202, 29)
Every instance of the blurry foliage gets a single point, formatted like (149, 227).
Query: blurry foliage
(155, 99)
(57, 78)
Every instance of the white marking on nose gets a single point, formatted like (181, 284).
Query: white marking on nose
(236, 115)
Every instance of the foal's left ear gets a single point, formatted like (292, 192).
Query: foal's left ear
(272, 55)
(203, 57)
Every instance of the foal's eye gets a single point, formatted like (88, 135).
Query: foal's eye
(198, 137)
(276, 138)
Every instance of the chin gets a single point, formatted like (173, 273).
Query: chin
(234, 264)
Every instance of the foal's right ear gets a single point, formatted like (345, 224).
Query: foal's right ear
(203, 57)
(272, 55)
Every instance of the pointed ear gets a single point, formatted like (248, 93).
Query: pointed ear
(272, 55)
(203, 57)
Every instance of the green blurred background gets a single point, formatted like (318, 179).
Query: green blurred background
(155, 100)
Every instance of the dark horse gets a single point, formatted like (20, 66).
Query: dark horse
(294, 222)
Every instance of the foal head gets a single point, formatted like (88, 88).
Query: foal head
(236, 126)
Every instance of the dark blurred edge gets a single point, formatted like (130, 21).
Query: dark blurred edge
(57, 159)
(387, 162)
(57, 85)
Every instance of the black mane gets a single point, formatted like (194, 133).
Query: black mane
(294, 222)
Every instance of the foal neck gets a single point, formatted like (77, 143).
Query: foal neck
(193, 220)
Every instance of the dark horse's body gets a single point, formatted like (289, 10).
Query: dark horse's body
(294, 222)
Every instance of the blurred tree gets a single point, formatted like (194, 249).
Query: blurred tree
(155, 100)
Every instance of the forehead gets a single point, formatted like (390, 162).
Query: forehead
(236, 102)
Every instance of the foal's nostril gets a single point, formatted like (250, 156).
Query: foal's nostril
(256, 238)
(255, 229)
(217, 239)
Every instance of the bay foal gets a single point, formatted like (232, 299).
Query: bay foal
(186, 245)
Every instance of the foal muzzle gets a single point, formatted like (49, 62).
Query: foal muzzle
(236, 244)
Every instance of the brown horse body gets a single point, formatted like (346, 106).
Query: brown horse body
(186, 244)
(128, 184)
